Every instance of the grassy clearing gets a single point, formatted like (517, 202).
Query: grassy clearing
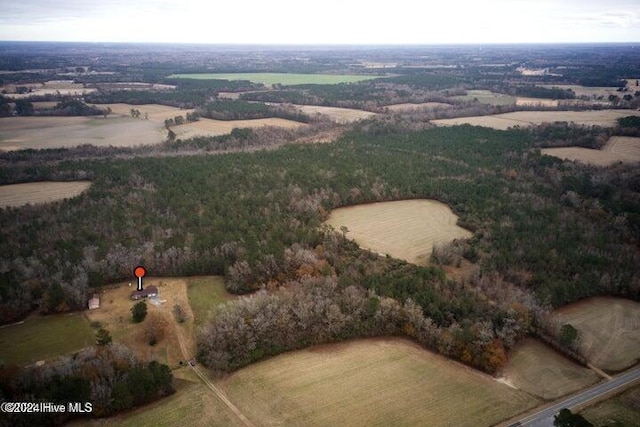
(609, 330)
(211, 127)
(18, 133)
(487, 97)
(280, 78)
(42, 338)
(370, 382)
(40, 192)
(619, 411)
(536, 102)
(618, 149)
(537, 369)
(193, 404)
(405, 229)
(204, 294)
(424, 105)
(336, 114)
(606, 118)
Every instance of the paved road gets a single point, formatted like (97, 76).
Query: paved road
(544, 418)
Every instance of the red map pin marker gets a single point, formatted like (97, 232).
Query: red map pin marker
(139, 272)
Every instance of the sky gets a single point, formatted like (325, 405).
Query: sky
(322, 22)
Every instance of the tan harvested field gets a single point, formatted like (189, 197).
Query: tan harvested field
(405, 229)
(618, 149)
(486, 97)
(591, 92)
(155, 112)
(40, 192)
(375, 382)
(536, 102)
(18, 133)
(609, 329)
(115, 315)
(336, 114)
(538, 369)
(63, 87)
(210, 127)
(504, 121)
(424, 105)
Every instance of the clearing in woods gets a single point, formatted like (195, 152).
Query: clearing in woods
(538, 369)
(422, 106)
(536, 102)
(618, 149)
(405, 229)
(606, 118)
(384, 381)
(609, 330)
(486, 97)
(280, 78)
(44, 337)
(40, 192)
(336, 114)
(17, 133)
(211, 127)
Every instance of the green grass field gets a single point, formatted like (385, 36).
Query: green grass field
(287, 79)
(204, 294)
(41, 338)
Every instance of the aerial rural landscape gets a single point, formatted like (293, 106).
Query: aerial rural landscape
(316, 234)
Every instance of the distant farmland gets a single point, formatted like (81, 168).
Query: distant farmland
(40, 192)
(287, 79)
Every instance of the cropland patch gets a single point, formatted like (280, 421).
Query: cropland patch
(619, 411)
(592, 92)
(536, 102)
(287, 79)
(52, 87)
(336, 114)
(40, 192)
(211, 127)
(44, 337)
(17, 133)
(486, 97)
(154, 112)
(609, 330)
(405, 229)
(537, 369)
(618, 149)
(370, 382)
(421, 106)
(606, 118)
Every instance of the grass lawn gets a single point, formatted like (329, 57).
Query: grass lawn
(280, 78)
(204, 294)
(41, 338)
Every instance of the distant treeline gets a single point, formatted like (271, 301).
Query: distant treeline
(543, 92)
(227, 109)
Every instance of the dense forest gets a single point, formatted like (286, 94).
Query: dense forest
(560, 231)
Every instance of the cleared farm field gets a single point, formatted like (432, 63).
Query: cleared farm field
(405, 229)
(336, 114)
(17, 133)
(424, 105)
(205, 293)
(487, 97)
(367, 383)
(155, 112)
(537, 369)
(536, 102)
(40, 192)
(588, 91)
(280, 78)
(211, 127)
(618, 149)
(43, 338)
(504, 121)
(609, 330)
(619, 411)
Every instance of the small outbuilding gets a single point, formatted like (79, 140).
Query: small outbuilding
(149, 291)
(94, 302)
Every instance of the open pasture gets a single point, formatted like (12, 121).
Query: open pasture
(422, 106)
(618, 149)
(536, 102)
(40, 192)
(205, 293)
(336, 114)
(609, 330)
(286, 79)
(154, 112)
(17, 133)
(594, 92)
(44, 337)
(211, 127)
(618, 411)
(367, 383)
(405, 229)
(486, 97)
(538, 369)
(52, 87)
(606, 118)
